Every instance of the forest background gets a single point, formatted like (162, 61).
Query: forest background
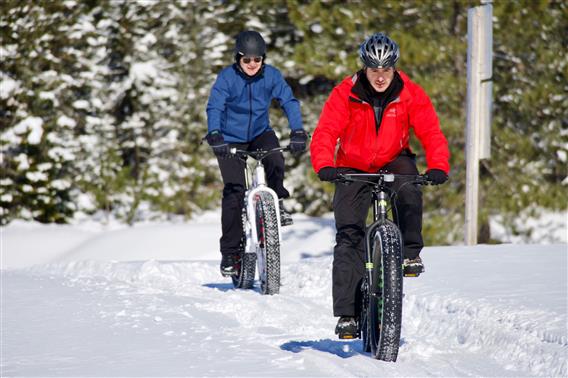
(102, 103)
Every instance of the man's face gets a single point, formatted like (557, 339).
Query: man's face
(250, 64)
(380, 78)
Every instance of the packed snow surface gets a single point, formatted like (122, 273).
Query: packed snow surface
(87, 300)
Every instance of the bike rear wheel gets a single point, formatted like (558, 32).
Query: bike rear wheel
(268, 252)
(364, 324)
(384, 312)
(247, 265)
(247, 269)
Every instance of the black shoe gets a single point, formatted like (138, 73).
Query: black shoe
(285, 216)
(413, 267)
(347, 328)
(230, 264)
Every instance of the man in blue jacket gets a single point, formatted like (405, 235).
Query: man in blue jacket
(237, 116)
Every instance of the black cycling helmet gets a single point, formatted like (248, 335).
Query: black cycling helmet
(379, 51)
(250, 43)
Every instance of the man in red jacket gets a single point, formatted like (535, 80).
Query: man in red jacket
(365, 127)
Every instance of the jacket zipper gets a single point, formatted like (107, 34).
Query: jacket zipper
(250, 112)
(359, 101)
(384, 111)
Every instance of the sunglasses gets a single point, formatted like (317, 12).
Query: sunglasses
(247, 59)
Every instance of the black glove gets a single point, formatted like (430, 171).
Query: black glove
(218, 144)
(436, 176)
(328, 174)
(298, 140)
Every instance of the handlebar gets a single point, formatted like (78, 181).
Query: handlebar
(258, 154)
(381, 177)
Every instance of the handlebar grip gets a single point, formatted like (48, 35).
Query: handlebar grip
(341, 179)
(423, 180)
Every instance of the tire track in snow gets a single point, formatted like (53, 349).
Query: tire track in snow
(518, 339)
(293, 331)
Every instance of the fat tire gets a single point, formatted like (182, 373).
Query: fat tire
(247, 266)
(385, 301)
(247, 269)
(364, 324)
(268, 258)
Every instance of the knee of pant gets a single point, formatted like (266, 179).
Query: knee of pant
(350, 237)
(410, 195)
(233, 190)
(274, 162)
(413, 238)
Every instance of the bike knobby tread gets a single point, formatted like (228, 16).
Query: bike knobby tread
(390, 289)
(271, 284)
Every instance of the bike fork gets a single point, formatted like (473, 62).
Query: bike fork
(380, 205)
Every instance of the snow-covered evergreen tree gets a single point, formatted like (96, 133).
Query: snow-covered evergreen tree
(103, 102)
(39, 78)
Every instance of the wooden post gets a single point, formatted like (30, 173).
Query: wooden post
(479, 100)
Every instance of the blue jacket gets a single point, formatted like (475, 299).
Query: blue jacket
(238, 105)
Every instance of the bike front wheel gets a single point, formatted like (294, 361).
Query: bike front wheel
(268, 248)
(384, 312)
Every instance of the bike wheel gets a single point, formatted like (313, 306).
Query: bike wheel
(247, 266)
(268, 253)
(385, 299)
(364, 324)
(247, 269)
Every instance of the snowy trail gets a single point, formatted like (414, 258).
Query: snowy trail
(182, 317)
(81, 316)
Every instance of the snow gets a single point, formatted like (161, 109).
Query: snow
(8, 86)
(64, 121)
(544, 227)
(218, 45)
(81, 104)
(306, 79)
(316, 28)
(148, 300)
(36, 176)
(23, 161)
(31, 125)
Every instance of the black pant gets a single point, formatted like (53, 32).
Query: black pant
(232, 171)
(351, 205)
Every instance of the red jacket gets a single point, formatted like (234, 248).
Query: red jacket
(351, 124)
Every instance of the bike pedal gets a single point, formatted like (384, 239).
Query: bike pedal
(412, 274)
(229, 274)
(348, 337)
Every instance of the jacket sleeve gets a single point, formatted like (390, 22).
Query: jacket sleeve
(282, 92)
(333, 119)
(216, 103)
(424, 120)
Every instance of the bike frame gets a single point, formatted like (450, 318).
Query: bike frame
(381, 336)
(255, 185)
(380, 208)
(258, 185)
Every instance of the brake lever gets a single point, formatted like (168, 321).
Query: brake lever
(342, 180)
